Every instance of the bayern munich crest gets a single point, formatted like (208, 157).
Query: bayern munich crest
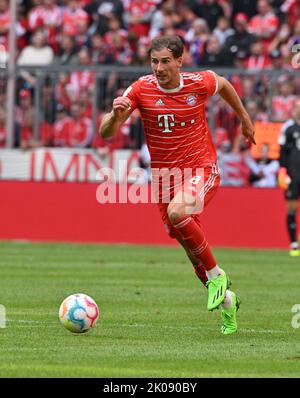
(191, 100)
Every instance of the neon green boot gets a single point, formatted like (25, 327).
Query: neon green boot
(216, 290)
(228, 314)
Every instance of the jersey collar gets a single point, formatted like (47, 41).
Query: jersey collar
(172, 90)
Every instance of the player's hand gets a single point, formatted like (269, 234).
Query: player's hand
(248, 131)
(283, 178)
(120, 106)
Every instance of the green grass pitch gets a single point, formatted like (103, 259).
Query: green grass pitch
(153, 318)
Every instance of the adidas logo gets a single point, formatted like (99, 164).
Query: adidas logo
(159, 102)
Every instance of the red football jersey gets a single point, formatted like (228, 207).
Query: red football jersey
(174, 120)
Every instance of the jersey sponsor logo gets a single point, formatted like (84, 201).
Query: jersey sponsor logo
(191, 100)
(159, 102)
(166, 121)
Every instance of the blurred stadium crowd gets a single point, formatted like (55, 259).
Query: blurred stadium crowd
(252, 35)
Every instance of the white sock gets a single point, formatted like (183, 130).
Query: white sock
(227, 301)
(214, 272)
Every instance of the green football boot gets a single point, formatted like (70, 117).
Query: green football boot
(295, 253)
(294, 249)
(216, 290)
(228, 314)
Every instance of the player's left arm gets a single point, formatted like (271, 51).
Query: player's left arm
(228, 93)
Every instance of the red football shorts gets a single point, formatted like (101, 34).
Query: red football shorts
(205, 190)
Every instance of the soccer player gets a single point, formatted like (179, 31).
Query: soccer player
(172, 107)
(289, 173)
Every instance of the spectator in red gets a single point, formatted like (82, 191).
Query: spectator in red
(25, 111)
(264, 26)
(4, 23)
(62, 127)
(292, 9)
(258, 59)
(138, 16)
(74, 18)
(283, 102)
(222, 140)
(85, 102)
(81, 133)
(27, 140)
(25, 119)
(48, 16)
(61, 90)
(22, 27)
(83, 79)
(116, 42)
(85, 3)
(118, 141)
(282, 36)
(226, 118)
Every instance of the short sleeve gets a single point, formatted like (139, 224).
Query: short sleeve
(282, 135)
(132, 92)
(210, 81)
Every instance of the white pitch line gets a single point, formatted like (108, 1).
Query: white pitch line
(201, 327)
(29, 321)
(142, 325)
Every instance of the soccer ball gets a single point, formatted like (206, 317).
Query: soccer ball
(78, 313)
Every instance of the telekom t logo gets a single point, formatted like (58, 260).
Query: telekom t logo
(167, 122)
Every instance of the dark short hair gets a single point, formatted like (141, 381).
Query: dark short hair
(172, 43)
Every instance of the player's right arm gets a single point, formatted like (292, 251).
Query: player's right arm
(112, 121)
